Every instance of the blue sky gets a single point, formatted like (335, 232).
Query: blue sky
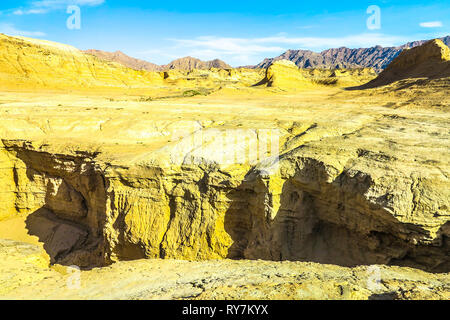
(239, 32)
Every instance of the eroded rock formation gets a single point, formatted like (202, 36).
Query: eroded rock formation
(354, 179)
(308, 208)
(429, 61)
(284, 74)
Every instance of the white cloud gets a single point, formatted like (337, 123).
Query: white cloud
(21, 12)
(59, 3)
(227, 46)
(211, 46)
(9, 29)
(431, 24)
(44, 6)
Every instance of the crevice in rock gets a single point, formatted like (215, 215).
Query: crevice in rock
(314, 213)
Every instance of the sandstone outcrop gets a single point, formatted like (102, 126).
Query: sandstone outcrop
(340, 77)
(336, 194)
(284, 74)
(212, 78)
(430, 60)
(37, 64)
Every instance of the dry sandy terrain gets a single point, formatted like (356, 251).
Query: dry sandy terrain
(23, 276)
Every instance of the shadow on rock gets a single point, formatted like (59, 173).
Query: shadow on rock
(324, 222)
(66, 242)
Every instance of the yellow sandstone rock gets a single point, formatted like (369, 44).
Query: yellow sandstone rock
(429, 61)
(284, 74)
(36, 64)
(191, 171)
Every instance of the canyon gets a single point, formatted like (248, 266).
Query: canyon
(255, 170)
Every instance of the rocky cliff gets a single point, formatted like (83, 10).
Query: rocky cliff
(339, 193)
(321, 210)
(430, 61)
(285, 75)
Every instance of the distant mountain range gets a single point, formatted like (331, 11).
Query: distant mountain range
(377, 57)
(125, 60)
(189, 63)
(186, 63)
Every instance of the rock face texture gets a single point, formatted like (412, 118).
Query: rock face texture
(377, 57)
(348, 177)
(431, 61)
(336, 195)
(284, 73)
(61, 217)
